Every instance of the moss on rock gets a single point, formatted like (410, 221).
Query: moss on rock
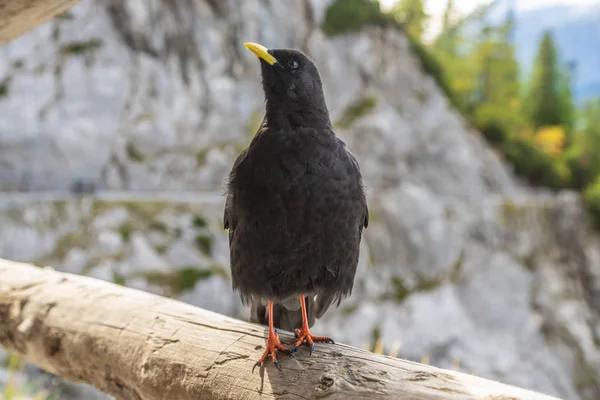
(184, 279)
(204, 242)
(355, 111)
(81, 47)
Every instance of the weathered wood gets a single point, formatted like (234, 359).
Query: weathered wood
(135, 345)
(20, 16)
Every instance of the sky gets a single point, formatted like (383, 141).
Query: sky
(435, 8)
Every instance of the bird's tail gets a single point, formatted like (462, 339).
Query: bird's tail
(286, 316)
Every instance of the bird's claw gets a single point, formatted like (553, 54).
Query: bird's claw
(304, 335)
(257, 364)
(273, 346)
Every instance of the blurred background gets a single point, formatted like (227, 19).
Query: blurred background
(476, 125)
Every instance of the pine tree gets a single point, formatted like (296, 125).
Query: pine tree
(497, 74)
(549, 100)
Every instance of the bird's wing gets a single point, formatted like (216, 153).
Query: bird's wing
(229, 220)
(365, 221)
(325, 299)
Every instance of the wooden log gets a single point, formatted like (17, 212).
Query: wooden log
(20, 16)
(136, 345)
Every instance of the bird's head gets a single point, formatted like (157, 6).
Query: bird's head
(291, 84)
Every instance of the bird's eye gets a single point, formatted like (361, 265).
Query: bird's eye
(293, 64)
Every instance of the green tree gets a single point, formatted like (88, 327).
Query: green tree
(498, 71)
(351, 15)
(483, 71)
(496, 97)
(446, 43)
(583, 156)
(411, 14)
(549, 100)
(566, 98)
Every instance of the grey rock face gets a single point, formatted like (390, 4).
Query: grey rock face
(153, 101)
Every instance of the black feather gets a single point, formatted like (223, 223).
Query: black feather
(295, 205)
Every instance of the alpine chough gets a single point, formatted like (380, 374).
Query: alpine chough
(295, 206)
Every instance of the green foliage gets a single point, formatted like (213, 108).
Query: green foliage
(349, 310)
(204, 242)
(158, 226)
(578, 163)
(201, 157)
(533, 126)
(411, 14)
(423, 284)
(401, 292)
(4, 88)
(199, 221)
(448, 39)
(583, 156)
(125, 229)
(497, 71)
(119, 278)
(351, 15)
(356, 110)
(134, 153)
(432, 66)
(534, 165)
(484, 78)
(481, 71)
(36, 390)
(529, 161)
(491, 121)
(592, 200)
(182, 280)
(549, 100)
(81, 47)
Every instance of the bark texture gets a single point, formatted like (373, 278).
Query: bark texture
(136, 345)
(20, 16)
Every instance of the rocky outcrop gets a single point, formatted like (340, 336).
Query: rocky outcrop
(460, 262)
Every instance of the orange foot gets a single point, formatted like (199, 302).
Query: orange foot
(273, 344)
(304, 335)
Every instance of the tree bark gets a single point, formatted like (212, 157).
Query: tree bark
(20, 16)
(138, 346)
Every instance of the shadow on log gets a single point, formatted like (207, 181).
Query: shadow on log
(135, 345)
(20, 16)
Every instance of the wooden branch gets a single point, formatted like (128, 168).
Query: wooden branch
(20, 16)
(136, 345)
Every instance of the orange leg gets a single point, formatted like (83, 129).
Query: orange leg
(304, 333)
(273, 343)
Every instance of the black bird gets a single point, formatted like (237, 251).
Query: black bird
(295, 207)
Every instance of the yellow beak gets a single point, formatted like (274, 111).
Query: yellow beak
(261, 52)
